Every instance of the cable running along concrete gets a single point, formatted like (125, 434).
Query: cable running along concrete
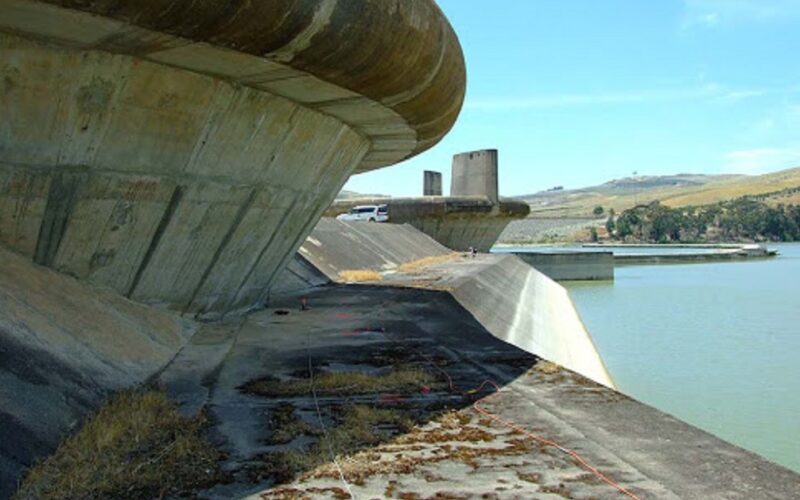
(321, 422)
(511, 425)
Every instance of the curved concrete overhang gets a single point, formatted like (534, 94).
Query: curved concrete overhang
(393, 71)
(178, 152)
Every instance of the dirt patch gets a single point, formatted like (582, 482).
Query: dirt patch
(547, 367)
(359, 276)
(136, 446)
(418, 265)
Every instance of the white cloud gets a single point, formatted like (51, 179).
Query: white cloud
(709, 91)
(761, 160)
(713, 13)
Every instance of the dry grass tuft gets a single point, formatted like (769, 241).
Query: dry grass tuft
(359, 276)
(403, 380)
(417, 265)
(547, 367)
(286, 427)
(136, 446)
(357, 427)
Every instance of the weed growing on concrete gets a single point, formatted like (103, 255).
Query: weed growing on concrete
(402, 380)
(355, 428)
(136, 446)
(286, 427)
(359, 276)
(546, 367)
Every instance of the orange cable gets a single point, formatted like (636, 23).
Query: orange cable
(511, 425)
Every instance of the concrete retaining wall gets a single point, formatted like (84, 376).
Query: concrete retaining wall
(572, 266)
(64, 346)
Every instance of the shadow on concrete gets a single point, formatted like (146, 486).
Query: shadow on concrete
(354, 340)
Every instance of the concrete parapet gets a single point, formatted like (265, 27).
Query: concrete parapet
(179, 153)
(456, 222)
(571, 266)
(432, 183)
(475, 174)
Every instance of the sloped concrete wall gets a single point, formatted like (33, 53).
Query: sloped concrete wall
(522, 306)
(335, 246)
(512, 300)
(64, 346)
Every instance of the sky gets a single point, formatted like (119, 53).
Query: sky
(576, 93)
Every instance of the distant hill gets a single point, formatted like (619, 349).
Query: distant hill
(670, 190)
(349, 195)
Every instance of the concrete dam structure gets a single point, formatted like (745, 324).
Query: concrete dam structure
(178, 153)
(473, 215)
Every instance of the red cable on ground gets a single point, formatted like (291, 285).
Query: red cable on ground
(511, 425)
(586, 465)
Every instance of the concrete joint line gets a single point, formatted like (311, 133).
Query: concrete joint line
(172, 206)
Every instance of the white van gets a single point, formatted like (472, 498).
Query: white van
(369, 213)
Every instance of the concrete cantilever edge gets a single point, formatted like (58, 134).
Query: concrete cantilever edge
(178, 152)
(456, 222)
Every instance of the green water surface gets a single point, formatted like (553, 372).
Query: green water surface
(716, 345)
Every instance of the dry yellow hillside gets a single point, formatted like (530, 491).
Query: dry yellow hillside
(680, 190)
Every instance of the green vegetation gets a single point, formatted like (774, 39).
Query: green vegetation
(136, 446)
(598, 210)
(742, 219)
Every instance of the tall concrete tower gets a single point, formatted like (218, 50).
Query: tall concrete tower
(432, 183)
(475, 174)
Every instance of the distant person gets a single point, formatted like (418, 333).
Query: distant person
(473, 251)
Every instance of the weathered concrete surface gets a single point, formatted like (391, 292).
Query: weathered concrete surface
(335, 246)
(64, 346)
(349, 329)
(179, 154)
(571, 266)
(457, 223)
(431, 183)
(517, 304)
(475, 174)
(513, 301)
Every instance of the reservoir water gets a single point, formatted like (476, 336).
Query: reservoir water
(715, 344)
